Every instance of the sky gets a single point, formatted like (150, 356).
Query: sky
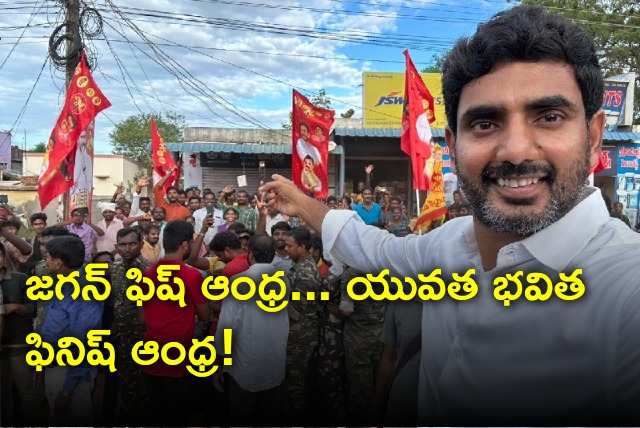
(219, 63)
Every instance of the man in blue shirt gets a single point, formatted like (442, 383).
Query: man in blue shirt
(68, 388)
(369, 211)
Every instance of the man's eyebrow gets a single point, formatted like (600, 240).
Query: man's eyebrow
(550, 102)
(481, 111)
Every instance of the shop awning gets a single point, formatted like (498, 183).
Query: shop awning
(622, 136)
(205, 147)
(439, 133)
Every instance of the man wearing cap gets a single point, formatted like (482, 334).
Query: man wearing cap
(110, 226)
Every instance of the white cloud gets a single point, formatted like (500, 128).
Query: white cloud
(257, 84)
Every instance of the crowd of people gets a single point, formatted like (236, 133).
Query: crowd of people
(523, 165)
(316, 355)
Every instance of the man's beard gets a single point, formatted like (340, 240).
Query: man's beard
(566, 192)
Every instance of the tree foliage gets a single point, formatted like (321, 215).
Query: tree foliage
(436, 66)
(615, 27)
(347, 114)
(38, 148)
(132, 136)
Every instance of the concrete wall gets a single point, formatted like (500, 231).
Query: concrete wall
(237, 135)
(108, 171)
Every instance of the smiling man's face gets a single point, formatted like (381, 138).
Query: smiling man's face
(523, 156)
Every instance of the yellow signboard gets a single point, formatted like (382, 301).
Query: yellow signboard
(383, 96)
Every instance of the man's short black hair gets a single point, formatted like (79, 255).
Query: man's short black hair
(144, 198)
(12, 221)
(126, 231)
(175, 188)
(38, 216)
(523, 33)
(55, 231)
(148, 228)
(281, 225)
(302, 236)
(68, 249)
(198, 198)
(224, 240)
(262, 247)
(315, 242)
(369, 188)
(123, 204)
(175, 233)
(100, 254)
(332, 198)
(233, 227)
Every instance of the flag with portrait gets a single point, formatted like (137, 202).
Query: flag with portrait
(83, 102)
(434, 208)
(311, 126)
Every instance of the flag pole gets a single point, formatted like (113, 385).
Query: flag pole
(418, 205)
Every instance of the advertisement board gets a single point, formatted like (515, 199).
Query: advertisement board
(383, 95)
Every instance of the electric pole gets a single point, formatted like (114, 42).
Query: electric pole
(73, 33)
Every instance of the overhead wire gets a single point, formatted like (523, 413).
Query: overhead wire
(21, 34)
(184, 75)
(26, 103)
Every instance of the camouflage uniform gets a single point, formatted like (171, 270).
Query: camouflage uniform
(41, 269)
(331, 367)
(303, 337)
(362, 346)
(126, 327)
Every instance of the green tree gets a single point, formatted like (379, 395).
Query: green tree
(437, 62)
(38, 148)
(615, 27)
(132, 136)
(347, 114)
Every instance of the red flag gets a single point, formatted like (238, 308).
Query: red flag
(310, 134)
(417, 115)
(162, 159)
(83, 102)
(603, 163)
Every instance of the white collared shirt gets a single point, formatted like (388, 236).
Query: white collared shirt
(536, 362)
(259, 349)
(218, 220)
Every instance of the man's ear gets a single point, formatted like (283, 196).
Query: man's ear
(450, 139)
(56, 265)
(596, 128)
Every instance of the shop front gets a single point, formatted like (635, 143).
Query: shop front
(621, 179)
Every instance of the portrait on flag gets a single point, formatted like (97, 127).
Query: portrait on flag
(83, 102)
(311, 126)
(434, 208)
(82, 188)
